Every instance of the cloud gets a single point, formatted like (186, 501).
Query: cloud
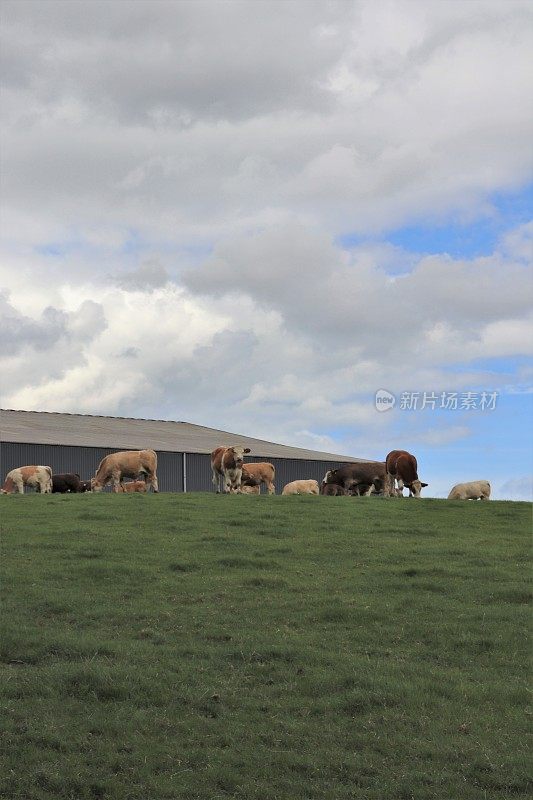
(191, 122)
(149, 275)
(516, 489)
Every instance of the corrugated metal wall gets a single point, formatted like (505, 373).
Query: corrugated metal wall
(84, 461)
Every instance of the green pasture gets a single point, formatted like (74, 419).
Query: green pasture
(187, 647)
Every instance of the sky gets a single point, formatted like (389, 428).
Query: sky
(255, 216)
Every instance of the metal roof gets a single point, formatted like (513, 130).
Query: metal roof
(85, 430)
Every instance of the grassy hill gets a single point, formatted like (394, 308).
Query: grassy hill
(263, 648)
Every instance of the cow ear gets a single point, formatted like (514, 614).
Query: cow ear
(246, 449)
(424, 484)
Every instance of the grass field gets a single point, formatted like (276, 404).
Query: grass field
(264, 648)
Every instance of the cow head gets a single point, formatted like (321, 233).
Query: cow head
(95, 485)
(330, 476)
(415, 488)
(238, 455)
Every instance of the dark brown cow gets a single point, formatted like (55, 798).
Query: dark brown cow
(262, 472)
(353, 477)
(64, 482)
(226, 463)
(402, 467)
(85, 486)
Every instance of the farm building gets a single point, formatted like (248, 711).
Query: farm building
(78, 442)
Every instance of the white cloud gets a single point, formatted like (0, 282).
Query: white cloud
(520, 488)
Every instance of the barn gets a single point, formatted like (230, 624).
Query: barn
(78, 442)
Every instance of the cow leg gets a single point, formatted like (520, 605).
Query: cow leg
(271, 488)
(237, 481)
(117, 483)
(215, 479)
(152, 481)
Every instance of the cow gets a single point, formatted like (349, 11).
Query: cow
(36, 476)
(126, 464)
(402, 467)
(226, 464)
(133, 486)
(85, 486)
(63, 482)
(474, 490)
(263, 472)
(301, 487)
(332, 489)
(360, 478)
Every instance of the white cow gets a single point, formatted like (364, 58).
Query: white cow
(475, 490)
(301, 487)
(20, 477)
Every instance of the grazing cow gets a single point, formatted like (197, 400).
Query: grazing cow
(85, 486)
(133, 486)
(474, 490)
(402, 466)
(65, 482)
(361, 478)
(226, 463)
(34, 476)
(332, 489)
(301, 487)
(127, 464)
(263, 472)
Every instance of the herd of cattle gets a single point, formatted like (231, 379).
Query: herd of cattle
(230, 472)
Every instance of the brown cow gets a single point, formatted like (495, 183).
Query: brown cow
(35, 476)
(226, 463)
(126, 464)
(133, 486)
(263, 472)
(402, 466)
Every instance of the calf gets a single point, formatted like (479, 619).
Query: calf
(247, 488)
(475, 490)
(332, 489)
(402, 467)
(64, 482)
(226, 464)
(85, 486)
(301, 487)
(20, 477)
(263, 472)
(133, 486)
(360, 478)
